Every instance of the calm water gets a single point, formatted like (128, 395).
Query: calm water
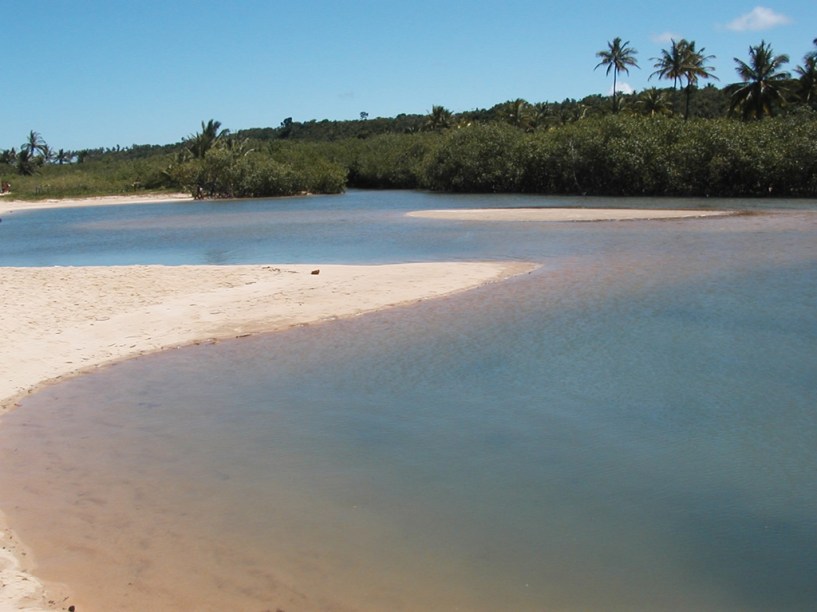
(633, 426)
(357, 227)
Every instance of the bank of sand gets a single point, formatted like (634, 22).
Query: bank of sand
(8, 205)
(60, 321)
(563, 214)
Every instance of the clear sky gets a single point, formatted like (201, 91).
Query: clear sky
(91, 73)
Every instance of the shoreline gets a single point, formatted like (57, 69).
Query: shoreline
(12, 206)
(565, 214)
(466, 214)
(60, 322)
(117, 312)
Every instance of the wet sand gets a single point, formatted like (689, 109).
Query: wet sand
(62, 321)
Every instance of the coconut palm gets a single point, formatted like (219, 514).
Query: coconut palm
(807, 90)
(33, 144)
(203, 141)
(46, 153)
(439, 118)
(762, 82)
(653, 101)
(26, 163)
(670, 64)
(618, 57)
(63, 157)
(683, 61)
(693, 68)
(8, 156)
(621, 103)
(516, 112)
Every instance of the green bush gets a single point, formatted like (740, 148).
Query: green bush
(476, 158)
(226, 172)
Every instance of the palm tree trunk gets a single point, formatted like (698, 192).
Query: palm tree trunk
(615, 74)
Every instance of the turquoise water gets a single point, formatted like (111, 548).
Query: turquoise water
(633, 426)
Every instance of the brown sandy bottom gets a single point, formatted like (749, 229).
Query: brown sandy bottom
(138, 534)
(58, 322)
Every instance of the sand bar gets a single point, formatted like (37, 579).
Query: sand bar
(61, 321)
(563, 214)
(9, 206)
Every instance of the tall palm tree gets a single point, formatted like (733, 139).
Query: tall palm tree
(762, 82)
(693, 68)
(618, 57)
(670, 64)
(683, 61)
(46, 153)
(33, 144)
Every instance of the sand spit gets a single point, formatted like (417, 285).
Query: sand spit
(57, 321)
(61, 321)
(10, 206)
(563, 214)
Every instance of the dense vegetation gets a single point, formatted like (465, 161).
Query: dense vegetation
(756, 137)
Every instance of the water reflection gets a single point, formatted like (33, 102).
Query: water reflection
(632, 426)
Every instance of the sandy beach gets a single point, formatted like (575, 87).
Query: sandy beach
(563, 214)
(8, 205)
(61, 321)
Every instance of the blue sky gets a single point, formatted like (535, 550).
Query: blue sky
(89, 73)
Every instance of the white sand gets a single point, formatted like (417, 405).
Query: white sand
(562, 214)
(7, 205)
(60, 321)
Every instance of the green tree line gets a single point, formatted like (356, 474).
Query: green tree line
(610, 155)
(756, 136)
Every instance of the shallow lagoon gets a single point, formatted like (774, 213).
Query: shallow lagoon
(632, 426)
(357, 227)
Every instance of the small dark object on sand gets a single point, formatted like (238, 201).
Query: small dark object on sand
(315, 272)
